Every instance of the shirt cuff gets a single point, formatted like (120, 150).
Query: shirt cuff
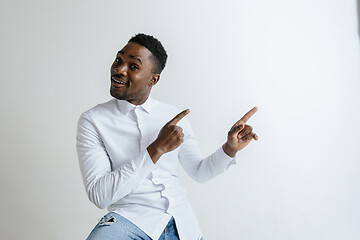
(226, 160)
(142, 165)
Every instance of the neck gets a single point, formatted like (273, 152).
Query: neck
(138, 101)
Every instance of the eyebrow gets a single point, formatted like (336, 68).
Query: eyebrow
(131, 56)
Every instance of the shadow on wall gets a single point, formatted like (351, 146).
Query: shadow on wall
(358, 15)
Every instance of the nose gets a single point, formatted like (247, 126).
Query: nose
(120, 69)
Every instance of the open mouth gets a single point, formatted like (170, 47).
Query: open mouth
(118, 82)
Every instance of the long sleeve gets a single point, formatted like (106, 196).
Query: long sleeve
(119, 174)
(103, 185)
(195, 165)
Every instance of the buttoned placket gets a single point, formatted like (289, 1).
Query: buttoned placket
(155, 175)
(139, 121)
(157, 180)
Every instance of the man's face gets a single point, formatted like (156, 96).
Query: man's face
(132, 74)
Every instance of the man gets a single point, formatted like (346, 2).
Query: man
(129, 147)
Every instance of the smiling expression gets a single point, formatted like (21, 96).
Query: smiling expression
(132, 74)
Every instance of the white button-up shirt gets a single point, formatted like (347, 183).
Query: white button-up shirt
(119, 174)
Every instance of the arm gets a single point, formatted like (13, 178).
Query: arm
(171, 136)
(203, 169)
(103, 186)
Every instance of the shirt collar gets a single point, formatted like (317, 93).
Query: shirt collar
(125, 106)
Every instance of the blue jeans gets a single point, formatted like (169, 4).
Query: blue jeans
(113, 226)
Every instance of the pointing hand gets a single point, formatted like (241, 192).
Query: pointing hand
(170, 137)
(240, 135)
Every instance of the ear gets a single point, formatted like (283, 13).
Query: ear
(154, 79)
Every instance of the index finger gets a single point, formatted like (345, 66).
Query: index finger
(248, 115)
(178, 117)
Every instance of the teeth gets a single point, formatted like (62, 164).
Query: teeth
(119, 82)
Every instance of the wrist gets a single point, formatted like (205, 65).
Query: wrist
(231, 152)
(154, 152)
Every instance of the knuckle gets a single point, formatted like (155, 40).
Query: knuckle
(250, 137)
(179, 129)
(247, 127)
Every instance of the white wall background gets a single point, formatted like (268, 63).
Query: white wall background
(297, 60)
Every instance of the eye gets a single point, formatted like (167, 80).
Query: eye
(134, 66)
(118, 60)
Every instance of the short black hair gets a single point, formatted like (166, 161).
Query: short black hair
(155, 47)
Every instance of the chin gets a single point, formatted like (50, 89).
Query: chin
(117, 96)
